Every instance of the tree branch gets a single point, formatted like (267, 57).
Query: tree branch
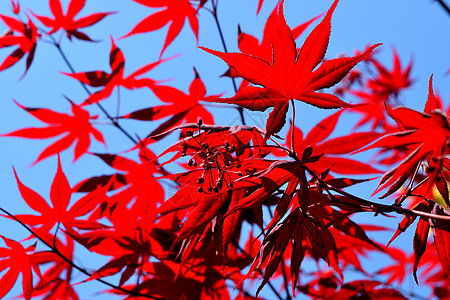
(71, 68)
(70, 262)
(222, 39)
(444, 6)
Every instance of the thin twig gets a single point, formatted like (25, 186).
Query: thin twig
(376, 207)
(71, 68)
(444, 6)
(222, 39)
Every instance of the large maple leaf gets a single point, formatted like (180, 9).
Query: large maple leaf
(289, 75)
(25, 40)
(109, 81)
(76, 129)
(67, 21)
(60, 195)
(175, 12)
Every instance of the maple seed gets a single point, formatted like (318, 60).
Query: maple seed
(216, 190)
(200, 190)
(200, 180)
(205, 146)
(200, 122)
(190, 163)
(210, 189)
(189, 133)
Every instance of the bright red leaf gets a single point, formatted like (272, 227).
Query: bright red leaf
(60, 195)
(20, 34)
(76, 129)
(174, 12)
(425, 134)
(420, 242)
(290, 75)
(250, 45)
(55, 279)
(441, 233)
(135, 182)
(331, 149)
(16, 260)
(67, 21)
(182, 108)
(387, 82)
(116, 78)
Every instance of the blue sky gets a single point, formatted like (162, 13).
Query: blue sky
(417, 29)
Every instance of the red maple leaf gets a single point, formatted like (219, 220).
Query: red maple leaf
(289, 75)
(373, 111)
(183, 108)
(174, 12)
(128, 241)
(25, 40)
(331, 149)
(56, 273)
(441, 233)
(250, 45)
(116, 78)
(135, 182)
(426, 135)
(60, 195)
(67, 21)
(382, 90)
(16, 259)
(391, 82)
(398, 269)
(76, 129)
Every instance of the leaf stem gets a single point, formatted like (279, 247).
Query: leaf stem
(293, 129)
